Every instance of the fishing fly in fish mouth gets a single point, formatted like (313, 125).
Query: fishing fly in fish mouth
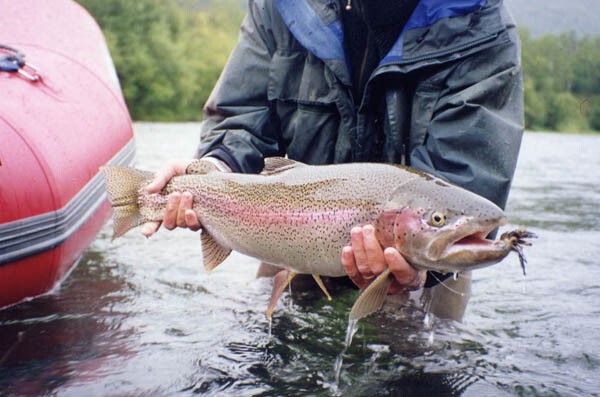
(298, 217)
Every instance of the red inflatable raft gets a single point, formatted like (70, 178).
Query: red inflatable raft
(62, 117)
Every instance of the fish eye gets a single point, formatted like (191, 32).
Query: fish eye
(437, 219)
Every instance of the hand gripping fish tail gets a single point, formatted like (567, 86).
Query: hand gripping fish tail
(123, 185)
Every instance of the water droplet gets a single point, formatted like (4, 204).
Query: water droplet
(290, 304)
(350, 331)
(337, 367)
(431, 338)
(427, 320)
(270, 327)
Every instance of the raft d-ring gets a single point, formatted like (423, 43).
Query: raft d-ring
(13, 61)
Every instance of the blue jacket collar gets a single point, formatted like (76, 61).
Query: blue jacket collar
(326, 41)
(426, 14)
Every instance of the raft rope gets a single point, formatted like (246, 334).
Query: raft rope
(13, 61)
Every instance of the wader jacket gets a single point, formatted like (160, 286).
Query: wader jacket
(446, 99)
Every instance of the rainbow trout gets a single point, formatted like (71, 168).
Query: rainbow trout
(298, 217)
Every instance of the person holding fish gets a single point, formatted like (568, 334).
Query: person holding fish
(432, 84)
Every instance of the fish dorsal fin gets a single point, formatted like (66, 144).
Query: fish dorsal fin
(213, 254)
(275, 165)
(372, 297)
(200, 167)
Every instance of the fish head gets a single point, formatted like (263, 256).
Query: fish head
(442, 227)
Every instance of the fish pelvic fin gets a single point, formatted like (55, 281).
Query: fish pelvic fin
(213, 253)
(280, 282)
(123, 185)
(322, 285)
(372, 297)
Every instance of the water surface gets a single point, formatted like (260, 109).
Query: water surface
(141, 317)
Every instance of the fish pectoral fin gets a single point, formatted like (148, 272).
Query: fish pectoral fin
(280, 282)
(213, 254)
(372, 297)
(321, 285)
(275, 165)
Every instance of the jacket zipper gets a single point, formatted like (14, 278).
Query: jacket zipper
(363, 66)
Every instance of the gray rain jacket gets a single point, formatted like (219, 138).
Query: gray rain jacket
(447, 98)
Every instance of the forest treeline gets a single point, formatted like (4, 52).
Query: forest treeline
(561, 75)
(168, 55)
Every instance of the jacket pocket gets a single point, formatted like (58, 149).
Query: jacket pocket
(305, 106)
(299, 77)
(423, 106)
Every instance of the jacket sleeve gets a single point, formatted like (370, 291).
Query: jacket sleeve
(476, 125)
(238, 126)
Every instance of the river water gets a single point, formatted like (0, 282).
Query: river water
(141, 317)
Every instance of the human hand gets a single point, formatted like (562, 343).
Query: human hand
(178, 211)
(365, 259)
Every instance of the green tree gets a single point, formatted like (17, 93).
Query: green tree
(586, 66)
(561, 74)
(535, 107)
(594, 113)
(142, 36)
(169, 54)
(565, 113)
(167, 57)
(209, 38)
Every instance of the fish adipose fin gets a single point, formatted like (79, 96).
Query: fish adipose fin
(123, 185)
(281, 280)
(372, 297)
(213, 254)
(321, 285)
(275, 165)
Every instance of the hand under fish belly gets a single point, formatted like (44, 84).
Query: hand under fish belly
(299, 217)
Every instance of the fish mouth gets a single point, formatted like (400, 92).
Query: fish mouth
(465, 246)
(474, 234)
(474, 239)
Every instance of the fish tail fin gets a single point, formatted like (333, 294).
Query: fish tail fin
(372, 297)
(123, 186)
